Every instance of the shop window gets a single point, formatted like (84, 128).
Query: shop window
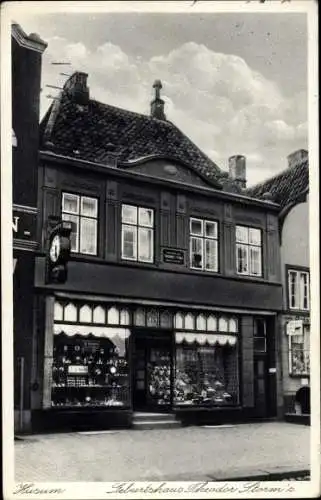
(165, 319)
(299, 351)
(233, 325)
(248, 251)
(124, 317)
(179, 321)
(113, 316)
(137, 233)
(189, 322)
(211, 323)
(85, 314)
(99, 315)
(152, 318)
(201, 322)
(58, 312)
(139, 317)
(90, 371)
(222, 324)
(203, 245)
(298, 286)
(259, 335)
(70, 313)
(206, 375)
(82, 211)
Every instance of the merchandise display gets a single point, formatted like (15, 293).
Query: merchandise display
(201, 377)
(159, 377)
(88, 373)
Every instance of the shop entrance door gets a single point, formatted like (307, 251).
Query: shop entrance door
(260, 386)
(152, 373)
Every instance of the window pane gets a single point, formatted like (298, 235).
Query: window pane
(146, 217)
(129, 242)
(255, 261)
(99, 315)
(58, 312)
(211, 255)
(242, 259)
(233, 325)
(85, 314)
(201, 322)
(113, 316)
(71, 313)
(211, 229)
(124, 317)
(88, 236)
(74, 236)
(304, 290)
(139, 317)
(70, 203)
(152, 318)
(145, 245)
(197, 253)
(89, 206)
(196, 226)
(293, 290)
(255, 236)
(211, 323)
(242, 234)
(189, 322)
(129, 214)
(179, 321)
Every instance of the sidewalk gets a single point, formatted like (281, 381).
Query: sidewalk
(183, 454)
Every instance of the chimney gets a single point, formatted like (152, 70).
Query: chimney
(298, 157)
(76, 87)
(157, 105)
(237, 170)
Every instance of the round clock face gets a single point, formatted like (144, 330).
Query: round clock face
(55, 248)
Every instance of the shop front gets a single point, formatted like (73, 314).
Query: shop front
(111, 360)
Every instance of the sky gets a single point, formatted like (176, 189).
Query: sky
(234, 83)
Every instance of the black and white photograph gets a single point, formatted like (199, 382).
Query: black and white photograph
(160, 249)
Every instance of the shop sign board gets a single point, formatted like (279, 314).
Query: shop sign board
(294, 327)
(77, 369)
(173, 256)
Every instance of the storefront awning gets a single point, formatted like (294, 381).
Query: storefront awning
(205, 338)
(97, 331)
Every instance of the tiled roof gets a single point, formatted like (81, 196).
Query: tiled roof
(285, 187)
(89, 130)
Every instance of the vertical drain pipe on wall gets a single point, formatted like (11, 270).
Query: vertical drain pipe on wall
(22, 376)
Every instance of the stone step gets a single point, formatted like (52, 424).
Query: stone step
(142, 416)
(155, 424)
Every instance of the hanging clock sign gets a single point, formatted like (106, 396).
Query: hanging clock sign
(59, 245)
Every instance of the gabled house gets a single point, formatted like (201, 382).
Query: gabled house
(173, 292)
(290, 189)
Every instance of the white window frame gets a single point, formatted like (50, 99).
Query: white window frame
(136, 226)
(203, 238)
(80, 218)
(306, 352)
(299, 293)
(247, 246)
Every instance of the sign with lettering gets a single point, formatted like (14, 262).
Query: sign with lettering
(173, 256)
(77, 369)
(24, 224)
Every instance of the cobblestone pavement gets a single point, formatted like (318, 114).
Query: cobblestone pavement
(186, 454)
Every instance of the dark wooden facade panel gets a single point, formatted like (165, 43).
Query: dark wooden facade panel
(247, 361)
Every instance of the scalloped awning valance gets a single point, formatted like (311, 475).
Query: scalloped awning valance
(205, 338)
(97, 331)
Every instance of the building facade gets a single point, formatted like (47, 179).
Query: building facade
(173, 291)
(26, 51)
(291, 190)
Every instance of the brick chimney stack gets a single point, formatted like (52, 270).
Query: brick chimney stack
(157, 104)
(76, 87)
(298, 157)
(237, 170)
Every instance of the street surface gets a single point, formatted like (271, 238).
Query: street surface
(183, 454)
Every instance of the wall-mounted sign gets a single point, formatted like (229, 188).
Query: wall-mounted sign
(272, 370)
(77, 369)
(24, 221)
(173, 256)
(294, 327)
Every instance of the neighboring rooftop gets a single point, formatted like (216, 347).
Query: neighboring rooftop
(286, 187)
(78, 126)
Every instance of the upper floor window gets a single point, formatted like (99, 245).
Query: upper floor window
(248, 251)
(137, 233)
(83, 212)
(203, 244)
(299, 297)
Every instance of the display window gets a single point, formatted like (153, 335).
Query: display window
(206, 370)
(90, 369)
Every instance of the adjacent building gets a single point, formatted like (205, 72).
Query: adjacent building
(174, 289)
(26, 53)
(290, 189)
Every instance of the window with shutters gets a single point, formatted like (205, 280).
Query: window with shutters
(203, 244)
